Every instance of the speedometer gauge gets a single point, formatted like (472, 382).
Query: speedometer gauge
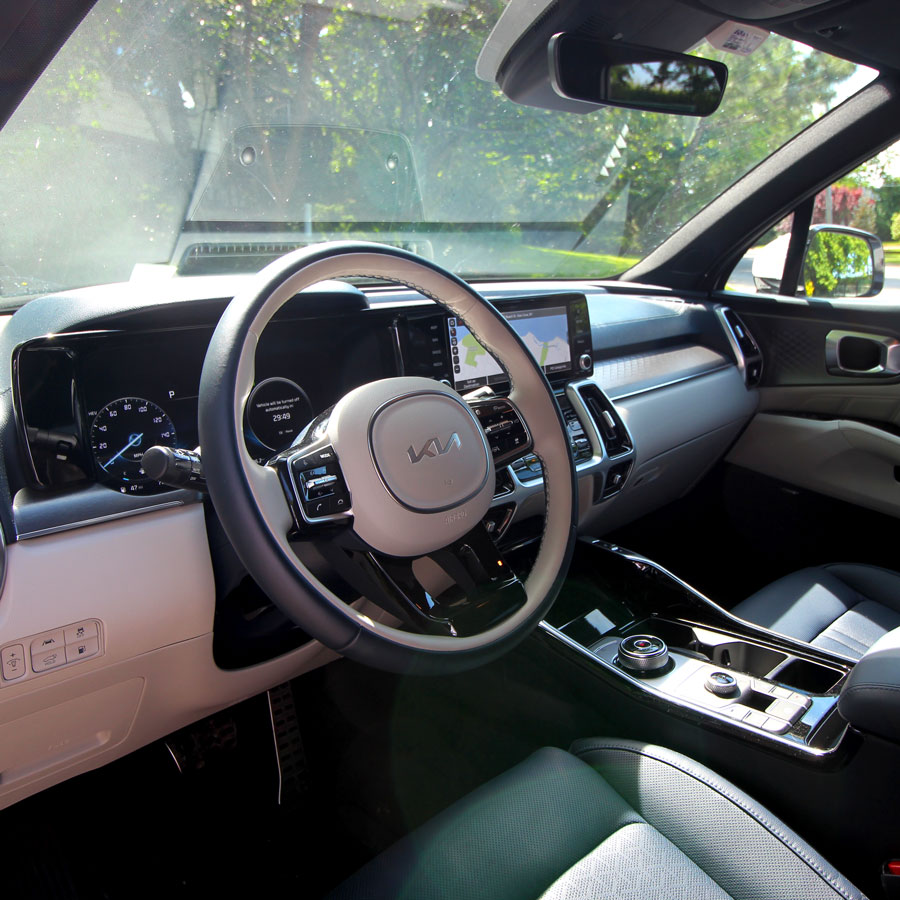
(120, 435)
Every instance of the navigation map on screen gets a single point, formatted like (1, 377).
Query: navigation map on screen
(545, 332)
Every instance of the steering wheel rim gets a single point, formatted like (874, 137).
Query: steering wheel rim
(251, 503)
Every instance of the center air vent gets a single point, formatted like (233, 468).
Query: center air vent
(744, 345)
(612, 429)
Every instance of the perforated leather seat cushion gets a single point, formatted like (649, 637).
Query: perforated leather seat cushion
(843, 607)
(613, 820)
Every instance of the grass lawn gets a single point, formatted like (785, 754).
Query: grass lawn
(572, 264)
(892, 253)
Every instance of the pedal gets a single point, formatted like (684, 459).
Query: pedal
(290, 757)
(194, 747)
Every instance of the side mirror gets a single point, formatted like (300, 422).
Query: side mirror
(842, 262)
(615, 74)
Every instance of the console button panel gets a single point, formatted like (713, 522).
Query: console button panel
(755, 703)
(50, 650)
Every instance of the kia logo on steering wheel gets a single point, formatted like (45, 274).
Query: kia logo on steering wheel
(433, 448)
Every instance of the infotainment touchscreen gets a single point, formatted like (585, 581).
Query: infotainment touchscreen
(544, 331)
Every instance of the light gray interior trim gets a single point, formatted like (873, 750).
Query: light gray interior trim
(36, 514)
(628, 375)
(662, 420)
(840, 458)
(875, 402)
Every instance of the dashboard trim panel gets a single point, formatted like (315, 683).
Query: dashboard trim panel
(39, 516)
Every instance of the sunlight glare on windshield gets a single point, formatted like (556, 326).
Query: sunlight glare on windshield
(208, 137)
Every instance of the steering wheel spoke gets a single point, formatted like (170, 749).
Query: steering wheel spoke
(460, 590)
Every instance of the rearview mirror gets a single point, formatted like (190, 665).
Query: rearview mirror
(615, 74)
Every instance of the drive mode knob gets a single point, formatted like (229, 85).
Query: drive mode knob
(643, 653)
(723, 684)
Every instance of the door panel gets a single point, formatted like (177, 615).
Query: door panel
(837, 434)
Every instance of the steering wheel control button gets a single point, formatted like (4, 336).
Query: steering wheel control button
(722, 684)
(319, 485)
(12, 661)
(506, 433)
(643, 654)
(429, 451)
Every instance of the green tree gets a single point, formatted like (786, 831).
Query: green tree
(895, 226)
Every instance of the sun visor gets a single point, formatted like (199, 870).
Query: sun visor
(762, 9)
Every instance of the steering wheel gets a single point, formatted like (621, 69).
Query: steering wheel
(391, 484)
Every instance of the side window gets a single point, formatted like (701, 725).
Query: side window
(855, 223)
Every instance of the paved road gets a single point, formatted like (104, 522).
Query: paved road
(742, 280)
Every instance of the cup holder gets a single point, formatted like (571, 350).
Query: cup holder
(749, 658)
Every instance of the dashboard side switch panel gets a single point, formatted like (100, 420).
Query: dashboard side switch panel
(50, 650)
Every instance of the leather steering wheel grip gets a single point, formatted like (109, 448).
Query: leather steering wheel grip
(254, 512)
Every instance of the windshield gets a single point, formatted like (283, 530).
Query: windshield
(180, 138)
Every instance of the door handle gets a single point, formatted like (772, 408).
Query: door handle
(862, 355)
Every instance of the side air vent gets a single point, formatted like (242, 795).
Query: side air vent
(612, 429)
(744, 345)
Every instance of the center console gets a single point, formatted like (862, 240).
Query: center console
(669, 645)
(557, 331)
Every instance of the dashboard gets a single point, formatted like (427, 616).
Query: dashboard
(90, 402)
(654, 389)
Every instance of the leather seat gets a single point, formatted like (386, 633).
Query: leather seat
(843, 608)
(611, 819)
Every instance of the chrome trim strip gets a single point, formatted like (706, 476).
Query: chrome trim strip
(794, 745)
(732, 340)
(664, 384)
(99, 520)
(397, 348)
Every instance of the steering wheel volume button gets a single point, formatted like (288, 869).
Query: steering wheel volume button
(320, 486)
